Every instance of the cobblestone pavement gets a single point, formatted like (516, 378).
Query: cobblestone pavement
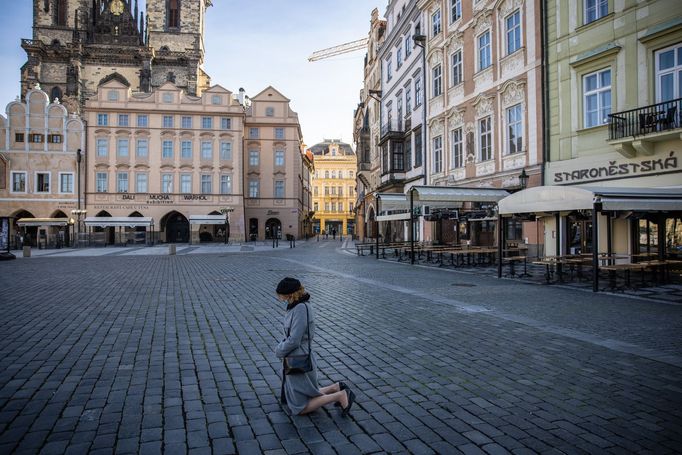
(151, 353)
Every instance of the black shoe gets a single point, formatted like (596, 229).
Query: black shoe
(351, 400)
(342, 386)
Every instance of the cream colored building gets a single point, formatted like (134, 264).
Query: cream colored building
(334, 187)
(484, 97)
(163, 166)
(615, 98)
(366, 131)
(39, 144)
(275, 197)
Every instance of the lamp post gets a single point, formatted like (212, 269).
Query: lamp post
(79, 213)
(79, 158)
(420, 40)
(523, 179)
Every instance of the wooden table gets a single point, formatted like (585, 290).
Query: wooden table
(512, 261)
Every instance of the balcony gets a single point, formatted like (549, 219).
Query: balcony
(634, 132)
(393, 128)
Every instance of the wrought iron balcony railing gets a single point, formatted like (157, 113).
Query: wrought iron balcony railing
(392, 127)
(645, 120)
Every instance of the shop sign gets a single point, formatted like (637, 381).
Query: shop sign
(195, 197)
(159, 199)
(616, 169)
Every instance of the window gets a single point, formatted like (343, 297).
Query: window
(186, 183)
(316, 206)
(399, 57)
(457, 150)
(102, 119)
(186, 122)
(254, 187)
(513, 26)
(455, 10)
(596, 98)
(438, 154)
(216, 99)
(123, 119)
(207, 123)
(408, 45)
(418, 148)
(389, 69)
(206, 184)
(279, 157)
(398, 157)
(19, 137)
(326, 190)
(102, 146)
(417, 92)
(408, 154)
(18, 182)
(595, 9)
(186, 150)
(269, 112)
(333, 206)
(485, 139)
(326, 174)
(435, 23)
(122, 146)
(456, 63)
(166, 183)
(226, 151)
(484, 58)
(167, 98)
(141, 183)
(142, 121)
(60, 13)
(333, 189)
(206, 150)
(254, 133)
(333, 174)
(167, 149)
(54, 138)
(408, 101)
(225, 123)
(122, 182)
(36, 138)
(168, 121)
(437, 80)
(173, 14)
(253, 158)
(514, 129)
(279, 189)
(326, 206)
(101, 182)
(669, 74)
(112, 95)
(225, 184)
(279, 133)
(340, 191)
(316, 191)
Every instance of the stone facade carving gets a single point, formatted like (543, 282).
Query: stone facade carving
(508, 6)
(485, 168)
(483, 22)
(456, 119)
(516, 161)
(484, 106)
(513, 92)
(513, 64)
(483, 79)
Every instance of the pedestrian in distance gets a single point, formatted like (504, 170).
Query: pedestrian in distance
(300, 389)
(334, 234)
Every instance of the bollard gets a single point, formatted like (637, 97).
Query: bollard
(27, 251)
(171, 249)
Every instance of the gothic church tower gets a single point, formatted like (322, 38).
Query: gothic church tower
(77, 44)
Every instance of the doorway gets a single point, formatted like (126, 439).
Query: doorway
(273, 228)
(177, 228)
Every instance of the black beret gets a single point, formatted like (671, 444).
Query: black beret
(288, 286)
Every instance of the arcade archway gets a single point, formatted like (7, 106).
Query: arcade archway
(176, 227)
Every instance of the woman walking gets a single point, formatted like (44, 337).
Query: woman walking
(300, 390)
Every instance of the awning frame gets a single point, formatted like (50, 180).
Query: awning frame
(116, 221)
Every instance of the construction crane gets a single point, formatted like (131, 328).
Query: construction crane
(338, 50)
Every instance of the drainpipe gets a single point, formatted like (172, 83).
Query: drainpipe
(544, 78)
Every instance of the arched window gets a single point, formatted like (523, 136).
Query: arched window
(60, 13)
(56, 93)
(173, 13)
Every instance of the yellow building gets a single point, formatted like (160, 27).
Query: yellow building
(334, 187)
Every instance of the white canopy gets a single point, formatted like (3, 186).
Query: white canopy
(207, 219)
(118, 221)
(394, 217)
(42, 221)
(449, 194)
(392, 201)
(566, 198)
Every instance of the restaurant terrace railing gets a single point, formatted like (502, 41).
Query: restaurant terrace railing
(645, 120)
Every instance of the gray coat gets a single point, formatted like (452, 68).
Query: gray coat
(299, 388)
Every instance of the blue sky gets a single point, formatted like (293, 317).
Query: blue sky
(253, 44)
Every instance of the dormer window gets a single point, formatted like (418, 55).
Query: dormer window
(269, 112)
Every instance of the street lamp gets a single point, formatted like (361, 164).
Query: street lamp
(79, 213)
(523, 179)
(79, 158)
(226, 212)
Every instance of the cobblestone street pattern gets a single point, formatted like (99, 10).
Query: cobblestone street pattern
(174, 354)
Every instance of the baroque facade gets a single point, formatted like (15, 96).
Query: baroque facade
(78, 43)
(39, 146)
(168, 156)
(276, 200)
(366, 131)
(334, 187)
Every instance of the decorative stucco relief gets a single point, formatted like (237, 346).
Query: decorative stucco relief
(513, 162)
(436, 105)
(483, 21)
(436, 127)
(484, 106)
(457, 174)
(435, 57)
(456, 94)
(513, 92)
(514, 64)
(456, 119)
(483, 80)
(485, 168)
(455, 41)
(508, 6)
